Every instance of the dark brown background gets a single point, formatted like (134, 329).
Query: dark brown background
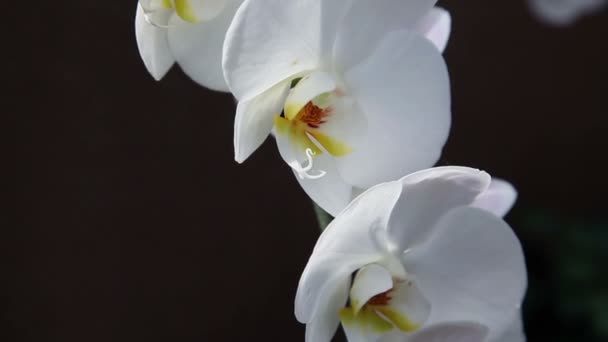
(134, 223)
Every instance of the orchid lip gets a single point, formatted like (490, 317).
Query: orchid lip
(381, 309)
(301, 127)
(303, 171)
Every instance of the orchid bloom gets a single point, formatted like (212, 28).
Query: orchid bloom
(189, 32)
(356, 91)
(565, 12)
(412, 255)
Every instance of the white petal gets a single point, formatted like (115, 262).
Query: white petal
(153, 45)
(254, 120)
(514, 332)
(330, 192)
(353, 239)
(326, 321)
(368, 22)
(198, 47)
(427, 195)
(370, 280)
(451, 332)
(204, 10)
(471, 269)
(153, 5)
(436, 27)
(272, 40)
(403, 90)
(498, 199)
(361, 227)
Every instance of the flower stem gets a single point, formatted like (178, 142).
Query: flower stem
(323, 217)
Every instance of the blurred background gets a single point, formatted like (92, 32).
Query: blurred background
(135, 224)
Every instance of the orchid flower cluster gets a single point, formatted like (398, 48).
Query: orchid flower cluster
(357, 95)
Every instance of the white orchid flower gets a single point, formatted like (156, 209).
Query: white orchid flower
(356, 90)
(422, 256)
(564, 12)
(189, 32)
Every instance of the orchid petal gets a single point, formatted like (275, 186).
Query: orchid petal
(154, 5)
(198, 47)
(436, 27)
(471, 269)
(367, 23)
(514, 331)
(326, 321)
(360, 227)
(194, 11)
(403, 89)
(157, 12)
(498, 199)
(254, 120)
(273, 40)
(152, 44)
(427, 195)
(451, 332)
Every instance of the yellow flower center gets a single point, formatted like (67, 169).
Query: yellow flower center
(307, 123)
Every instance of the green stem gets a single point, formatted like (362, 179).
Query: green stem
(323, 218)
